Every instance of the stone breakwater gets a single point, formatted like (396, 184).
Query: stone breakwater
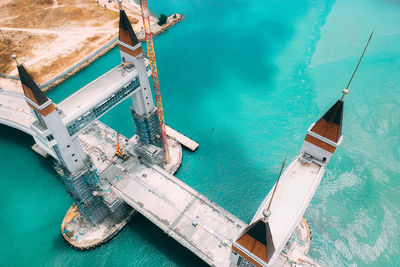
(155, 29)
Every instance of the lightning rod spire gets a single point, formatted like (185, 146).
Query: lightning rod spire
(13, 55)
(346, 90)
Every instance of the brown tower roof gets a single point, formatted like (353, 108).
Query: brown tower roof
(31, 89)
(257, 240)
(34, 94)
(126, 33)
(330, 125)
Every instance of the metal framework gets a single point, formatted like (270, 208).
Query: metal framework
(152, 58)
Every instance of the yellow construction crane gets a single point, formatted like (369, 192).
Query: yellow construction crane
(119, 153)
(152, 58)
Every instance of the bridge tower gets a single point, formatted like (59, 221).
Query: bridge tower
(324, 136)
(144, 112)
(69, 152)
(73, 165)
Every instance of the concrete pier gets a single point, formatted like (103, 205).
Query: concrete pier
(182, 139)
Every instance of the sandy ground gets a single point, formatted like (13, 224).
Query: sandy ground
(49, 36)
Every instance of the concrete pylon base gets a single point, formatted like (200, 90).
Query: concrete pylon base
(148, 128)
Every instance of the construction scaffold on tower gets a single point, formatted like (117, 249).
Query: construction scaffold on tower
(152, 58)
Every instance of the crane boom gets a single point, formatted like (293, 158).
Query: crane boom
(152, 58)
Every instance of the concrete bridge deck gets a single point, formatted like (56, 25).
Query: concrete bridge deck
(180, 211)
(14, 111)
(294, 192)
(189, 217)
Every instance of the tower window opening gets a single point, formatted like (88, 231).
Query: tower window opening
(73, 154)
(76, 160)
(324, 159)
(68, 146)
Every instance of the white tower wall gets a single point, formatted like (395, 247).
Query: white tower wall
(143, 101)
(316, 152)
(71, 152)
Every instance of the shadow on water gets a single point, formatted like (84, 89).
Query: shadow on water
(19, 140)
(15, 136)
(38, 197)
(163, 243)
(59, 244)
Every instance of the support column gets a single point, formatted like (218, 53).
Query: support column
(144, 112)
(147, 127)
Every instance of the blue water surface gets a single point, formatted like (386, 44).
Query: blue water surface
(245, 79)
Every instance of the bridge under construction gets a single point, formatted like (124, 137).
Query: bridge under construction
(111, 177)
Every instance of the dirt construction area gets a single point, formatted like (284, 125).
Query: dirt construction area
(50, 36)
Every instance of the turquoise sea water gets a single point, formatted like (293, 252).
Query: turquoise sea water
(245, 79)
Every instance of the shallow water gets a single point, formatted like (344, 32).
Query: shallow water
(245, 79)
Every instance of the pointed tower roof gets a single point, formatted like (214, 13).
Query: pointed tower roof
(31, 89)
(126, 33)
(330, 125)
(258, 232)
(256, 240)
(35, 98)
